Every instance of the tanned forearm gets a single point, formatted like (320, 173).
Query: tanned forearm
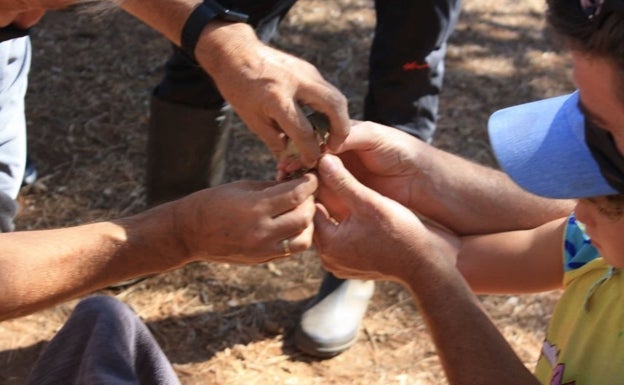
(165, 16)
(469, 198)
(470, 347)
(217, 42)
(43, 268)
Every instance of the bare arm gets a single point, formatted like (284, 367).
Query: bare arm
(463, 196)
(471, 348)
(266, 87)
(522, 261)
(472, 199)
(42, 268)
(362, 234)
(243, 222)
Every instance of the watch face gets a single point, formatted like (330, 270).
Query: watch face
(234, 16)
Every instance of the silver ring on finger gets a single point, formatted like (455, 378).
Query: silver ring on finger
(286, 247)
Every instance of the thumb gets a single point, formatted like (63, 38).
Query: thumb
(325, 228)
(337, 179)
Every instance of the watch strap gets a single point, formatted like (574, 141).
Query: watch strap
(197, 20)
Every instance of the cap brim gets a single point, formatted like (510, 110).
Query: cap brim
(541, 146)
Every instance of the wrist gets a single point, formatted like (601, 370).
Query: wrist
(204, 14)
(152, 240)
(222, 44)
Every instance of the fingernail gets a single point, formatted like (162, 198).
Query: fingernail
(332, 162)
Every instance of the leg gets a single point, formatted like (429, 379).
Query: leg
(188, 127)
(103, 342)
(15, 59)
(187, 133)
(405, 79)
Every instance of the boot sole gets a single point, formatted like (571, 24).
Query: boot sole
(309, 346)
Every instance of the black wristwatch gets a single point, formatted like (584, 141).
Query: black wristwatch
(202, 15)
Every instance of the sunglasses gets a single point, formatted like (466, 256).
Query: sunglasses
(595, 8)
(602, 147)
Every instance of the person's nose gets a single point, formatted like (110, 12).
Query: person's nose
(584, 212)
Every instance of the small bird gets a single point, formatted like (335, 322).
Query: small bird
(320, 124)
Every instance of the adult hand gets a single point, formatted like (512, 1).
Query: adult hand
(362, 234)
(375, 237)
(241, 222)
(384, 159)
(452, 191)
(267, 88)
(246, 222)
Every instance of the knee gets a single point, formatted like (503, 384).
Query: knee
(97, 307)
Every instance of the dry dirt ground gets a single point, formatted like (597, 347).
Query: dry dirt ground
(224, 324)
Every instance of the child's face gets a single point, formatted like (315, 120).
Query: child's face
(597, 82)
(603, 217)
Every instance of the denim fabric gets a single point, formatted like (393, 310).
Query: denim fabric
(103, 342)
(15, 59)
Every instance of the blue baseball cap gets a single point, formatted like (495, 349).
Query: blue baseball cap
(541, 146)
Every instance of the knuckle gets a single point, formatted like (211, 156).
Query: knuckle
(308, 67)
(298, 195)
(272, 99)
(301, 244)
(303, 222)
(257, 242)
(336, 98)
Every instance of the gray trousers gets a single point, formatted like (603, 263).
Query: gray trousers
(103, 342)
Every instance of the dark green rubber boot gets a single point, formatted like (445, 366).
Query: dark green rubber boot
(186, 149)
